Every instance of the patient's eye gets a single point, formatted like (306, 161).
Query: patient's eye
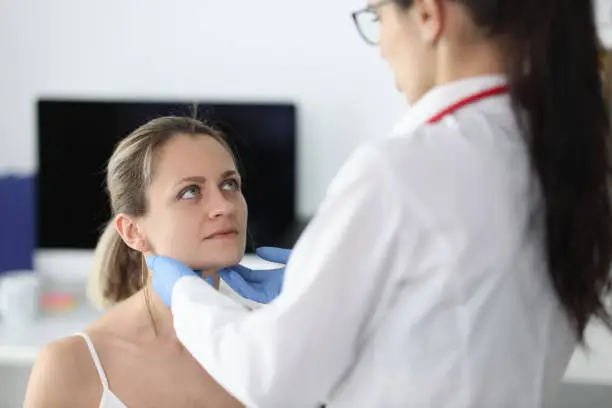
(189, 193)
(231, 184)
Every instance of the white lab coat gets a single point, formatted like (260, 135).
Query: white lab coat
(420, 282)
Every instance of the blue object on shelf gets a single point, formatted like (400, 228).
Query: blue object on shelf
(17, 222)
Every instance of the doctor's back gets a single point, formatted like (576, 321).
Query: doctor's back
(502, 241)
(469, 310)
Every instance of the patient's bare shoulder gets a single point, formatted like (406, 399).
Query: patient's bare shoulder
(64, 375)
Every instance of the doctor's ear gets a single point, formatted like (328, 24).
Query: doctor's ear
(131, 233)
(428, 15)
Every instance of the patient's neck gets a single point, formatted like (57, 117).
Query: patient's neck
(161, 315)
(214, 274)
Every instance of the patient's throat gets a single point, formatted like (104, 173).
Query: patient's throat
(214, 274)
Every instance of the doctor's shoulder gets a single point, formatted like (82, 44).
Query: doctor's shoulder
(398, 163)
(63, 376)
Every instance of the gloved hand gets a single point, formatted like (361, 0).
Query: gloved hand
(261, 286)
(166, 272)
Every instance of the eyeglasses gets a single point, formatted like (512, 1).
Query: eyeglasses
(368, 23)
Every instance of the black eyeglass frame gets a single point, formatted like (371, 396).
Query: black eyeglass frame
(369, 9)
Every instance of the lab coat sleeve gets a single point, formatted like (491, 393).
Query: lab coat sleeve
(292, 352)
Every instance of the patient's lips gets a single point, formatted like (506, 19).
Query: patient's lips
(223, 233)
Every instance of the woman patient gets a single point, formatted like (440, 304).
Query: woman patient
(174, 191)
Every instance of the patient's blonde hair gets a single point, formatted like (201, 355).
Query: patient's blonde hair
(118, 270)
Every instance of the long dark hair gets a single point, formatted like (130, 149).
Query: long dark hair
(553, 69)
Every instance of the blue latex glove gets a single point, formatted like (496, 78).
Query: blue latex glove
(261, 286)
(166, 272)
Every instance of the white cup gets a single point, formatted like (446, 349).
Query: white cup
(19, 297)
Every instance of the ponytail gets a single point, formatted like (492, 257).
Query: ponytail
(117, 270)
(554, 78)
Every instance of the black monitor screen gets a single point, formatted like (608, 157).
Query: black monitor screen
(76, 139)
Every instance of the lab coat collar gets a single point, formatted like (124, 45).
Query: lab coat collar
(441, 97)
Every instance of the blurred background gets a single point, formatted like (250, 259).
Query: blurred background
(291, 81)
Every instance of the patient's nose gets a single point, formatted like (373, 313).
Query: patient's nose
(220, 204)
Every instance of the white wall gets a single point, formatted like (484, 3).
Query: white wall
(302, 51)
(604, 20)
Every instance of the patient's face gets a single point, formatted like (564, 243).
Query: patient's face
(197, 213)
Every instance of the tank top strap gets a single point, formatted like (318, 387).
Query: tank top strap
(96, 360)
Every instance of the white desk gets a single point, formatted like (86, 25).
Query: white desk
(22, 347)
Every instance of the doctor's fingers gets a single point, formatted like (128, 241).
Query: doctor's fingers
(272, 254)
(167, 265)
(261, 275)
(237, 283)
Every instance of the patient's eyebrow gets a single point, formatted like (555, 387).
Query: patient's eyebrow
(202, 179)
(192, 179)
(229, 173)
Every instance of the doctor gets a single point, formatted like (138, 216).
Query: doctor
(454, 263)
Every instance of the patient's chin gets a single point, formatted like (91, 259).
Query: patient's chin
(212, 254)
(216, 261)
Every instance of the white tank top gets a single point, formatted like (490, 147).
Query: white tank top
(109, 400)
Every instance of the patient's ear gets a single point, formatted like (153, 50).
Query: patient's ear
(131, 234)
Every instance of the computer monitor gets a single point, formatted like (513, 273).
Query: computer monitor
(77, 137)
